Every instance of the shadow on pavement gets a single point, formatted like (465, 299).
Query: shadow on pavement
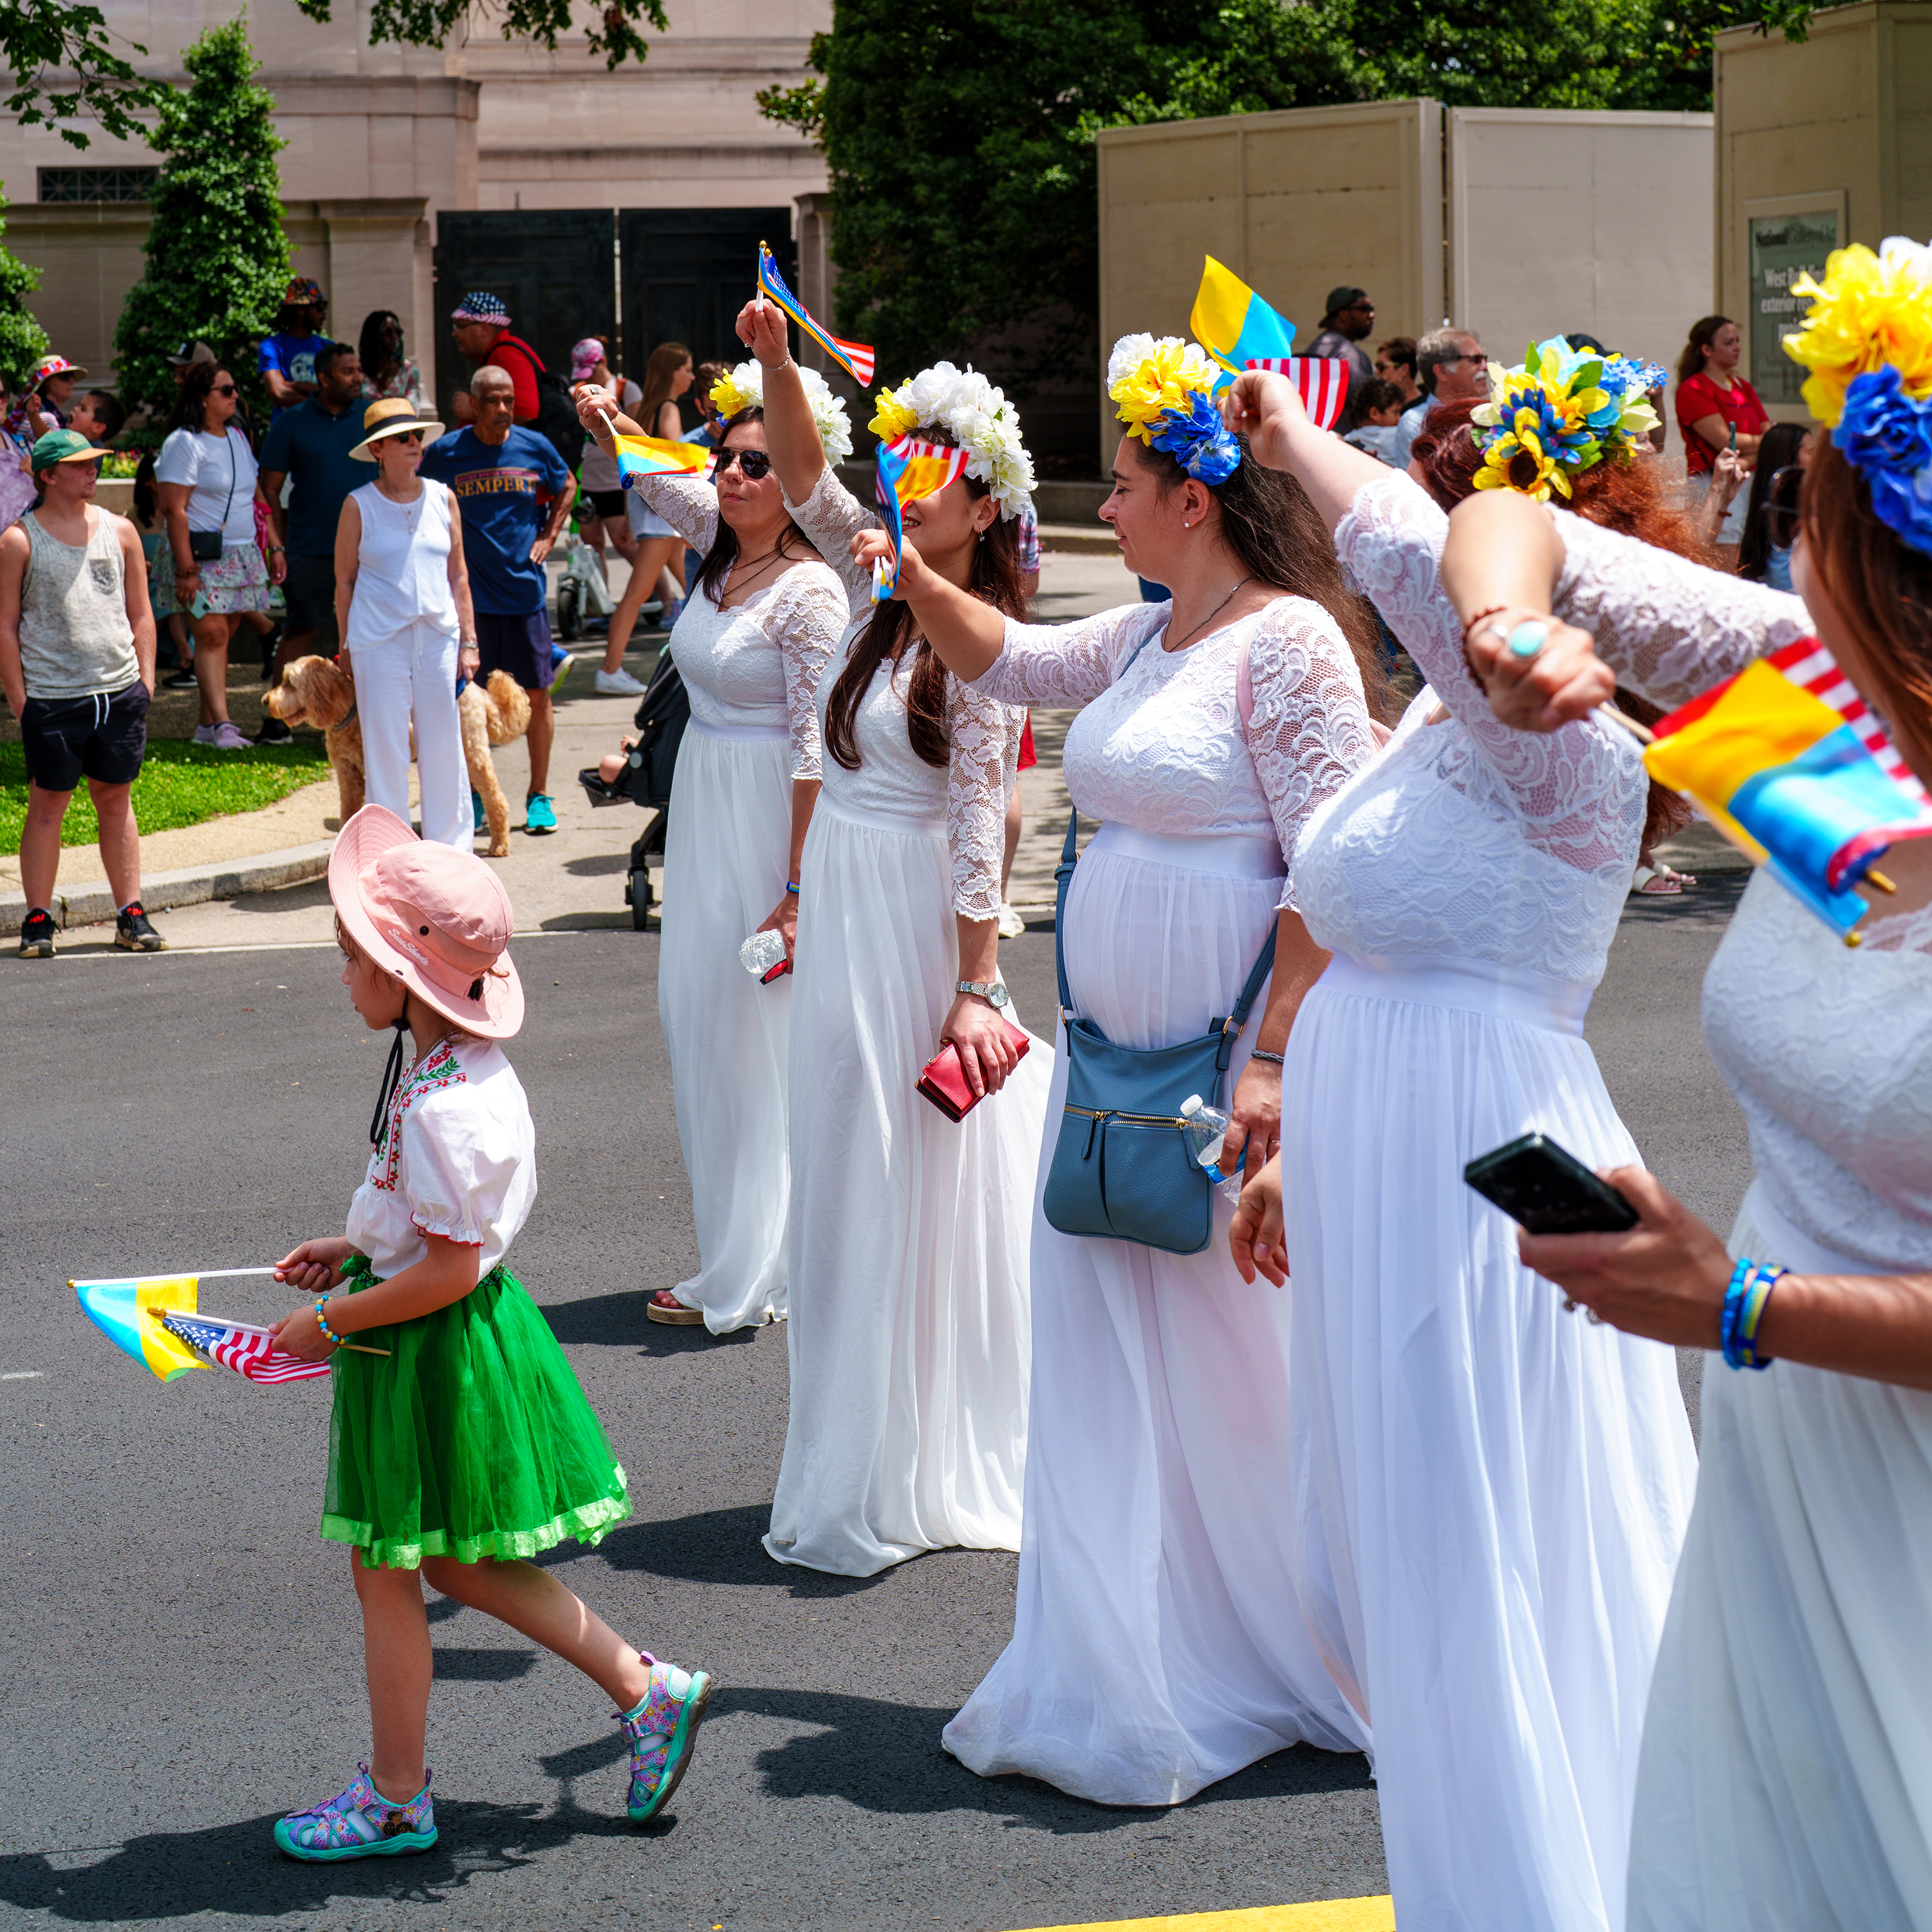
(620, 1322)
(724, 1546)
(1711, 902)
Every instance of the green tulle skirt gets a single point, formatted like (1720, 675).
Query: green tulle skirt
(471, 1439)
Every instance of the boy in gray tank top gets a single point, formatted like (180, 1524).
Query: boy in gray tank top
(77, 666)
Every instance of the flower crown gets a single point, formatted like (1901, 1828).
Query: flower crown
(743, 389)
(1165, 390)
(1560, 412)
(1867, 341)
(980, 420)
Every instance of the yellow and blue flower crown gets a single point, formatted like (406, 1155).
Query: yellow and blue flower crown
(1867, 342)
(1560, 412)
(1165, 392)
(743, 389)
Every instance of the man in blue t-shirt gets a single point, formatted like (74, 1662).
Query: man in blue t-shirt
(308, 447)
(502, 477)
(287, 359)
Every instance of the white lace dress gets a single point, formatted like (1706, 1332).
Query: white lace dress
(1156, 1647)
(751, 672)
(1785, 1784)
(909, 1330)
(1493, 1492)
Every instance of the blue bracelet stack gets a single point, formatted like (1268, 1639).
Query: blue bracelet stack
(322, 1322)
(1745, 1301)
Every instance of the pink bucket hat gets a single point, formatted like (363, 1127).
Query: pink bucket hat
(439, 919)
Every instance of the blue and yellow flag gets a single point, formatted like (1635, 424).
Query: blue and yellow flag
(1235, 326)
(640, 456)
(128, 1311)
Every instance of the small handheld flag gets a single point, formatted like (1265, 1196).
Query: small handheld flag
(856, 359)
(641, 456)
(1791, 782)
(910, 469)
(892, 464)
(1322, 382)
(1235, 326)
(249, 1351)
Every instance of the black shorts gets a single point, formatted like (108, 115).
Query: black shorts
(518, 645)
(309, 589)
(608, 504)
(103, 738)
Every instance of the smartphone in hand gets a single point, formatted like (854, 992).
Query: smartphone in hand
(1546, 1189)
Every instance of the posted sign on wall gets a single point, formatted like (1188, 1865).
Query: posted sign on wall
(1783, 247)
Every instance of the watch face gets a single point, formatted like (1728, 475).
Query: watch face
(997, 994)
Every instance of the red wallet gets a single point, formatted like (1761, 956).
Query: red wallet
(944, 1080)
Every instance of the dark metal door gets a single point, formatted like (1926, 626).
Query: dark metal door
(553, 268)
(687, 271)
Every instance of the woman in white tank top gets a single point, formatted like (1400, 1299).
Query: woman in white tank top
(402, 603)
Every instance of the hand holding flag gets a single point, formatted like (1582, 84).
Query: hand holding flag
(909, 469)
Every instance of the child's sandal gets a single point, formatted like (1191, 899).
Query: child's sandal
(662, 1730)
(359, 1823)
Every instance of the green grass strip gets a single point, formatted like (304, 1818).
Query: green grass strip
(181, 783)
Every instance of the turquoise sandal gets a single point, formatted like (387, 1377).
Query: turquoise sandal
(359, 1823)
(663, 1730)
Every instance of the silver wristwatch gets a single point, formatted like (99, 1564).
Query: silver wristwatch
(995, 995)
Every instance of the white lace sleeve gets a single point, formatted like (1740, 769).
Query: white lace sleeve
(1669, 629)
(805, 616)
(1573, 788)
(832, 517)
(979, 729)
(1068, 664)
(688, 503)
(1308, 732)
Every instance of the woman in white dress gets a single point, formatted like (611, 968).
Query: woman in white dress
(1786, 1781)
(403, 612)
(1156, 1646)
(760, 624)
(909, 1331)
(1493, 1495)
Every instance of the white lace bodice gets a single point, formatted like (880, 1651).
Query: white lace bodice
(1159, 744)
(969, 797)
(755, 666)
(1466, 840)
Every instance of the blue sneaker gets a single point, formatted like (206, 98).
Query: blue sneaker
(359, 1823)
(560, 662)
(662, 1730)
(539, 813)
(476, 810)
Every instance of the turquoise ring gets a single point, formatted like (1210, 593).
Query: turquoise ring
(1528, 638)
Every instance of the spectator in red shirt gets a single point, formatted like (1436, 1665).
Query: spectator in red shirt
(1716, 409)
(480, 325)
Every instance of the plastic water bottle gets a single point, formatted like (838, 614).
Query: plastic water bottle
(1206, 1128)
(760, 953)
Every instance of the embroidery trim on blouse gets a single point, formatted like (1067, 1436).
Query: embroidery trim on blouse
(438, 1068)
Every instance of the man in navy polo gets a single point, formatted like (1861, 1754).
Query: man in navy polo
(504, 478)
(307, 447)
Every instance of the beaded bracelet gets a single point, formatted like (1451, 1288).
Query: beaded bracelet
(322, 1322)
(1745, 1301)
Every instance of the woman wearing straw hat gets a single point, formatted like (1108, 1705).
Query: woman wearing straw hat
(402, 603)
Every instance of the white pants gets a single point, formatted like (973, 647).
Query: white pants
(414, 673)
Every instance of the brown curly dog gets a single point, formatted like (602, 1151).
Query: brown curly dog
(316, 692)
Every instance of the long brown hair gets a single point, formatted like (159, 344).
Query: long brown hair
(724, 551)
(1703, 332)
(1278, 537)
(1624, 495)
(666, 360)
(1881, 588)
(994, 579)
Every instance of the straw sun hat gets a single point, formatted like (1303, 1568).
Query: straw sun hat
(393, 417)
(437, 918)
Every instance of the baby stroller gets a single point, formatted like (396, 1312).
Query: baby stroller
(644, 778)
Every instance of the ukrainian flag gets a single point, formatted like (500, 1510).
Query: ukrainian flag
(127, 1313)
(1235, 326)
(1787, 779)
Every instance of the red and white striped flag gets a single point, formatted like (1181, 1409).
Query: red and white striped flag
(1808, 664)
(1322, 381)
(249, 1351)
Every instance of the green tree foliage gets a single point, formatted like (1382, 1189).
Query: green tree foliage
(959, 134)
(429, 23)
(22, 340)
(217, 261)
(63, 66)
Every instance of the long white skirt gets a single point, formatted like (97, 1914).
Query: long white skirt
(1497, 1490)
(1157, 1644)
(909, 1331)
(1785, 1784)
(725, 853)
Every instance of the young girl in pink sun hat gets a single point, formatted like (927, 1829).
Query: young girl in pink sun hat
(466, 1447)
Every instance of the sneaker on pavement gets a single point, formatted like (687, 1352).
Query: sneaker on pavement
(1011, 924)
(275, 732)
(662, 1730)
(359, 1823)
(476, 819)
(183, 679)
(618, 683)
(36, 935)
(560, 662)
(539, 813)
(132, 930)
(226, 736)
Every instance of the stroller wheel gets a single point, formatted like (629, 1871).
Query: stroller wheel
(637, 892)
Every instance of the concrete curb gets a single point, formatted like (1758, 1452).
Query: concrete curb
(89, 905)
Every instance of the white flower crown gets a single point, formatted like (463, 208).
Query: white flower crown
(743, 388)
(980, 420)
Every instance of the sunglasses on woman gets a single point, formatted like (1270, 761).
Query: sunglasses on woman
(222, 388)
(755, 463)
(1781, 497)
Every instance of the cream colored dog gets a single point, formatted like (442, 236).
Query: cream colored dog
(317, 692)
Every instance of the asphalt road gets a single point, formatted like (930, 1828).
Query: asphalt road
(182, 1657)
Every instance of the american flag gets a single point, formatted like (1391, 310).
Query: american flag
(250, 1352)
(1808, 664)
(1323, 381)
